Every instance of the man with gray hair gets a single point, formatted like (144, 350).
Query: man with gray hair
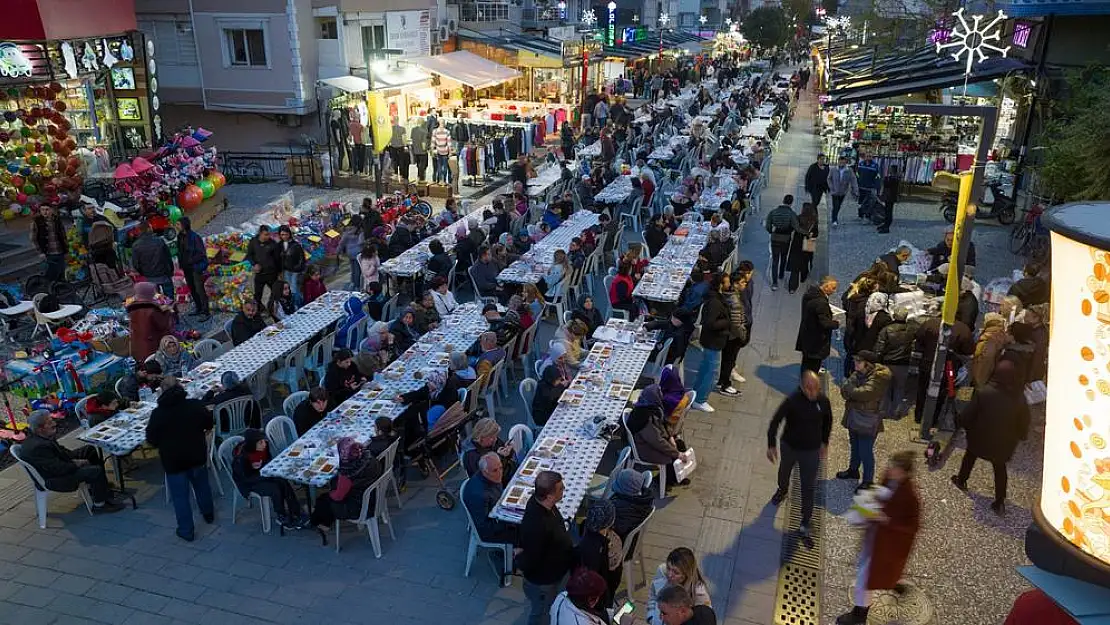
(63, 470)
(481, 495)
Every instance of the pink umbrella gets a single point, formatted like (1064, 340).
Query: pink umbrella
(124, 171)
(189, 142)
(141, 165)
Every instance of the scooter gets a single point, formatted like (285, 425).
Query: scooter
(1002, 207)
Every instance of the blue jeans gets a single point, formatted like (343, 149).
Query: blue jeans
(356, 274)
(178, 484)
(707, 374)
(294, 280)
(440, 170)
(863, 451)
(540, 597)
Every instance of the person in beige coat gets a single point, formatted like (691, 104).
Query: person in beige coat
(992, 340)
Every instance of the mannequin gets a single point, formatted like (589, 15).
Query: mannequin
(338, 129)
(355, 128)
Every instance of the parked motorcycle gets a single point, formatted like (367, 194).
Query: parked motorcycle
(1003, 207)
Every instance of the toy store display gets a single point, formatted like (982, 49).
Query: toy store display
(176, 179)
(68, 367)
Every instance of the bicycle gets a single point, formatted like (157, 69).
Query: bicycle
(1029, 237)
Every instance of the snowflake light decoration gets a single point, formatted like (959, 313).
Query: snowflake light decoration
(663, 19)
(974, 39)
(703, 19)
(589, 18)
(838, 22)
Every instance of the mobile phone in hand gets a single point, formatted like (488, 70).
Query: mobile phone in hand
(627, 608)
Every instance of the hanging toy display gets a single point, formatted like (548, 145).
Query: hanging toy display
(37, 160)
(181, 174)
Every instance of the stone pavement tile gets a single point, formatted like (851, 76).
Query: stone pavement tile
(233, 602)
(146, 601)
(184, 610)
(718, 537)
(66, 619)
(109, 592)
(33, 576)
(73, 584)
(163, 586)
(85, 607)
(292, 596)
(754, 606)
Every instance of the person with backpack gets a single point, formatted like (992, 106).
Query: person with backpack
(781, 223)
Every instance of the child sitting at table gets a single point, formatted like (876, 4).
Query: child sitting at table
(246, 471)
(314, 285)
(101, 407)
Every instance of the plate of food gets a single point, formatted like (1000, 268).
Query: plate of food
(620, 391)
(380, 405)
(550, 447)
(532, 467)
(517, 496)
(573, 398)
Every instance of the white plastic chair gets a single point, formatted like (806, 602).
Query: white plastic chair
(628, 556)
(82, 414)
(527, 390)
(388, 458)
(206, 349)
(46, 320)
(319, 355)
(292, 369)
(661, 357)
(521, 438)
(227, 327)
(506, 549)
(389, 309)
(289, 406)
(42, 494)
(236, 412)
(280, 432)
(636, 456)
(525, 349)
(490, 385)
(633, 214)
(370, 522)
(224, 458)
(601, 486)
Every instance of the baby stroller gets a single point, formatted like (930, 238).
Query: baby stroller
(444, 437)
(104, 268)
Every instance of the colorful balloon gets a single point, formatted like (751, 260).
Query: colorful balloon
(207, 188)
(174, 213)
(217, 179)
(190, 197)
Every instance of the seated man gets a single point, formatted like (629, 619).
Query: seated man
(311, 411)
(63, 469)
(942, 253)
(676, 607)
(897, 258)
(490, 355)
(481, 495)
(247, 323)
(485, 275)
(147, 374)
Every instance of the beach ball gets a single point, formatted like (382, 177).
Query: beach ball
(217, 179)
(190, 197)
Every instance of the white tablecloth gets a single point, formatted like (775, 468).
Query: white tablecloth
(313, 458)
(591, 151)
(596, 392)
(546, 176)
(668, 271)
(615, 192)
(412, 261)
(123, 433)
(534, 265)
(711, 199)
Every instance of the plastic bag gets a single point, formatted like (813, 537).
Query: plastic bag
(683, 467)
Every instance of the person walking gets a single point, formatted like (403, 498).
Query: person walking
(547, 549)
(960, 346)
(802, 247)
(863, 394)
(265, 260)
(805, 442)
(781, 223)
(888, 538)
(817, 324)
(737, 332)
(817, 181)
(841, 182)
(179, 428)
(996, 420)
(193, 260)
(715, 323)
(293, 262)
(150, 258)
(888, 195)
(49, 236)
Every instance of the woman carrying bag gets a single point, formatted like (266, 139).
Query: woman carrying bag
(863, 393)
(802, 247)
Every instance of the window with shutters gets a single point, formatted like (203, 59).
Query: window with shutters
(173, 41)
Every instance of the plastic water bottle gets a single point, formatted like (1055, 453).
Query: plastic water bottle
(145, 394)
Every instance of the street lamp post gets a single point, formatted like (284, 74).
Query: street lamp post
(589, 18)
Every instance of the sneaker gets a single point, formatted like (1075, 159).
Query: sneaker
(107, 507)
(774, 287)
(807, 538)
(778, 497)
(847, 475)
(736, 377)
(728, 390)
(702, 406)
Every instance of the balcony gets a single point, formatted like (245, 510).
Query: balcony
(540, 18)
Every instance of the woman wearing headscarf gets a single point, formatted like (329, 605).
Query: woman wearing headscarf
(175, 360)
(992, 340)
(633, 499)
(674, 395)
(231, 387)
(250, 456)
(404, 331)
(572, 335)
(588, 313)
(358, 470)
(555, 376)
(654, 441)
(875, 318)
(354, 313)
(425, 405)
(486, 438)
(376, 350)
(149, 321)
(601, 549)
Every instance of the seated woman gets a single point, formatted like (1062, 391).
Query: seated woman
(375, 305)
(376, 350)
(246, 470)
(587, 313)
(358, 470)
(231, 387)
(425, 316)
(486, 438)
(680, 569)
(633, 500)
(342, 379)
(175, 360)
(460, 367)
(620, 290)
(101, 407)
(281, 304)
(555, 376)
(311, 411)
(426, 404)
(404, 331)
(674, 396)
(654, 441)
(572, 336)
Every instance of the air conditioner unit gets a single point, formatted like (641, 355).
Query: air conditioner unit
(444, 32)
(452, 26)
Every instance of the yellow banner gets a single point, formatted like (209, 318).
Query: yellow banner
(952, 287)
(379, 120)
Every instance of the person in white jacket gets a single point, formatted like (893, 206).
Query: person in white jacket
(680, 569)
(578, 604)
(444, 299)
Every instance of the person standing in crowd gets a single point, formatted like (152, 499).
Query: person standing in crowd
(566, 138)
(149, 321)
(802, 247)
(582, 602)
(992, 340)
(869, 179)
(150, 258)
(293, 262)
(548, 551)
(864, 392)
(888, 196)
(888, 539)
(817, 181)
(350, 244)
(805, 442)
(715, 323)
(841, 182)
(369, 265)
(179, 428)
(941, 253)
(601, 111)
(737, 333)
(62, 469)
(1032, 289)
(781, 223)
(894, 349)
(960, 345)
(817, 325)
(265, 260)
(193, 259)
(419, 138)
(49, 237)
(996, 420)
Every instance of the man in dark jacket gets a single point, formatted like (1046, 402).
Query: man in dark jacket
(897, 258)
(150, 258)
(548, 551)
(817, 325)
(677, 327)
(737, 333)
(265, 260)
(178, 428)
(894, 348)
(293, 262)
(715, 323)
(485, 273)
(193, 259)
(311, 411)
(817, 180)
(246, 324)
(676, 607)
(805, 441)
(942, 253)
(49, 236)
(63, 470)
(480, 497)
(781, 223)
(1032, 289)
(926, 337)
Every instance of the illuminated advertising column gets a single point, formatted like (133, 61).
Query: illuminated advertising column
(1074, 507)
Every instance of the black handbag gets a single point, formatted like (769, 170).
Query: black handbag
(862, 423)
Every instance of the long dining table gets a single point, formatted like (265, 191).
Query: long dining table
(534, 264)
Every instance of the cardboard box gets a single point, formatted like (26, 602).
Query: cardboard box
(439, 190)
(422, 189)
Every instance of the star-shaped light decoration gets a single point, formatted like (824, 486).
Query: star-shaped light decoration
(703, 19)
(732, 28)
(728, 20)
(663, 19)
(840, 22)
(974, 39)
(589, 18)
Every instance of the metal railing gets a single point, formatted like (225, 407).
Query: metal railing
(256, 167)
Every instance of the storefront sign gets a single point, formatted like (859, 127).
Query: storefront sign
(22, 61)
(573, 50)
(561, 33)
(612, 32)
(409, 32)
(634, 33)
(1021, 34)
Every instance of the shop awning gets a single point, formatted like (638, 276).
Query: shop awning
(346, 84)
(387, 76)
(468, 68)
(918, 77)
